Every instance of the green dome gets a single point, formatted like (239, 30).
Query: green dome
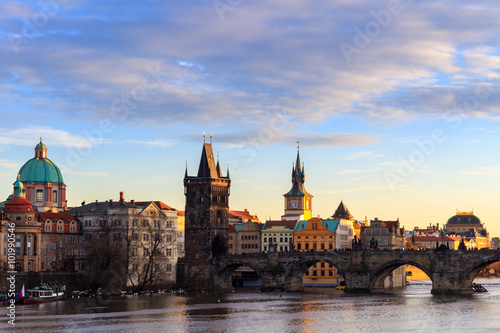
(40, 145)
(40, 170)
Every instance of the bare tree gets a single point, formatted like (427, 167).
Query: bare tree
(150, 247)
(106, 257)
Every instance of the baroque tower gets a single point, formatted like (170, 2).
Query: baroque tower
(207, 208)
(298, 202)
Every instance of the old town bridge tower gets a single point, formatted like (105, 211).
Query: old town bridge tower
(207, 209)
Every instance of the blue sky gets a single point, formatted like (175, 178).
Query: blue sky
(395, 103)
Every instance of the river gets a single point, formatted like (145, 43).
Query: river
(412, 309)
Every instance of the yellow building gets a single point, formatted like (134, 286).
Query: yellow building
(279, 233)
(322, 235)
(469, 226)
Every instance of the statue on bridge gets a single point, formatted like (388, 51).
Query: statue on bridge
(356, 244)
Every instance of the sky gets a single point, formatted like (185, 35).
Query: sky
(395, 104)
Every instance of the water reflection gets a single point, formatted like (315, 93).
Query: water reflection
(315, 310)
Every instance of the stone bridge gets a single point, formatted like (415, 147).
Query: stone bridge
(451, 272)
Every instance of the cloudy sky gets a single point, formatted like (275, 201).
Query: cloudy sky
(396, 104)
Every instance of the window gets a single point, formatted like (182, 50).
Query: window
(135, 237)
(169, 267)
(39, 196)
(146, 237)
(73, 226)
(18, 245)
(145, 252)
(60, 226)
(169, 238)
(60, 243)
(47, 226)
(135, 252)
(169, 252)
(265, 239)
(54, 196)
(54, 246)
(29, 246)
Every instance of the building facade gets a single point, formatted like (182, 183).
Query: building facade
(383, 235)
(469, 226)
(44, 241)
(141, 236)
(279, 233)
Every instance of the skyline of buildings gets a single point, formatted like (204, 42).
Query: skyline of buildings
(41, 150)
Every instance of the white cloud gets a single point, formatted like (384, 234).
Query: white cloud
(491, 170)
(29, 136)
(155, 143)
(362, 155)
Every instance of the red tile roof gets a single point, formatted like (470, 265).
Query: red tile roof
(42, 216)
(290, 224)
(180, 213)
(232, 228)
(245, 215)
(18, 205)
(160, 204)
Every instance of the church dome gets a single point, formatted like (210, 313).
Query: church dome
(40, 169)
(464, 218)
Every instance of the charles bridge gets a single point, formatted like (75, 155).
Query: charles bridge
(451, 272)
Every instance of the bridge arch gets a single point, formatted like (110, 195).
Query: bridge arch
(226, 270)
(378, 277)
(473, 271)
(295, 273)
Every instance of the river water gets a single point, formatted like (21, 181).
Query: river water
(412, 309)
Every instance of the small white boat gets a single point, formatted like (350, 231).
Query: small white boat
(43, 294)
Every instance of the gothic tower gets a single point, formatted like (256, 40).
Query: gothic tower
(207, 208)
(298, 202)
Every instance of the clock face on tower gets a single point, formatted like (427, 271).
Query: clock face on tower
(294, 204)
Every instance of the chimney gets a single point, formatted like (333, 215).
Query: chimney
(121, 198)
(111, 202)
(132, 202)
(96, 202)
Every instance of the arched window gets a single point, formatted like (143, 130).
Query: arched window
(330, 246)
(299, 247)
(54, 196)
(307, 246)
(314, 246)
(60, 226)
(322, 246)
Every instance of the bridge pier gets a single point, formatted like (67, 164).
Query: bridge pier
(449, 283)
(357, 281)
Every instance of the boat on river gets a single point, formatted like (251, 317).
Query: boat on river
(44, 294)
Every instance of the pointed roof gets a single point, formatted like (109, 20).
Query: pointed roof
(342, 212)
(298, 179)
(207, 167)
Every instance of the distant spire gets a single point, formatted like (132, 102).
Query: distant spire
(40, 139)
(227, 163)
(211, 140)
(186, 174)
(204, 137)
